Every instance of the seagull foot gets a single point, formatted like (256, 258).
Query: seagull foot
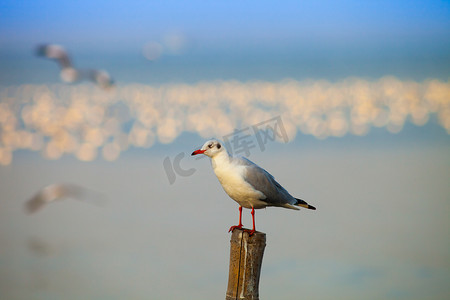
(250, 232)
(232, 228)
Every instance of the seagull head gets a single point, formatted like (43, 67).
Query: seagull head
(211, 148)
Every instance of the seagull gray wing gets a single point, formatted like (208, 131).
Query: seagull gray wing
(35, 203)
(46, 195)
(264, 182)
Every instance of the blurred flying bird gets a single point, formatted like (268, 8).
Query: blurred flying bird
(68, 72)
(55, 52)
(246, 183)
(62, 191)
(101, 78)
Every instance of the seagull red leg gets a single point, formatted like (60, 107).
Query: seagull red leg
(240, 221)
(251, 232)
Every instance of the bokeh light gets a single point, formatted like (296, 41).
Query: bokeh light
(88, 122)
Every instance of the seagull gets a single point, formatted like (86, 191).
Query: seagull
(68, 72)
(56, 52)
(59, 191)
(247, 183)
(101, 78)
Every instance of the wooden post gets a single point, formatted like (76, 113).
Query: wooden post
(246, 254)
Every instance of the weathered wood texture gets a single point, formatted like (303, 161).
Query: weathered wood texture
(246, 254)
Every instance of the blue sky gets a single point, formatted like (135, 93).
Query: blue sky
(117, 22)
(241, 40)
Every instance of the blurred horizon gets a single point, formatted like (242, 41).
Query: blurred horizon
(172, 41)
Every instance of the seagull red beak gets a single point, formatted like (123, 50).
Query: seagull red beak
(198, 152)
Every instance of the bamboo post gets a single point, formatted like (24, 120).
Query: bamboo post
(246, 254)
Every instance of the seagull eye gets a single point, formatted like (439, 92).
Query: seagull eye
(218, 146)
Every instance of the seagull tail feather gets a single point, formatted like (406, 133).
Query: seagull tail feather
(303, 203)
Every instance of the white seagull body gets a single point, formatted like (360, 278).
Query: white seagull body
(246, 183)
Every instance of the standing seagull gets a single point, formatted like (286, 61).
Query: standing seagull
(246, 183)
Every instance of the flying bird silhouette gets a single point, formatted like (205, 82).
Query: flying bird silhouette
(246, 183)
(68, 72)
(60, 191)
